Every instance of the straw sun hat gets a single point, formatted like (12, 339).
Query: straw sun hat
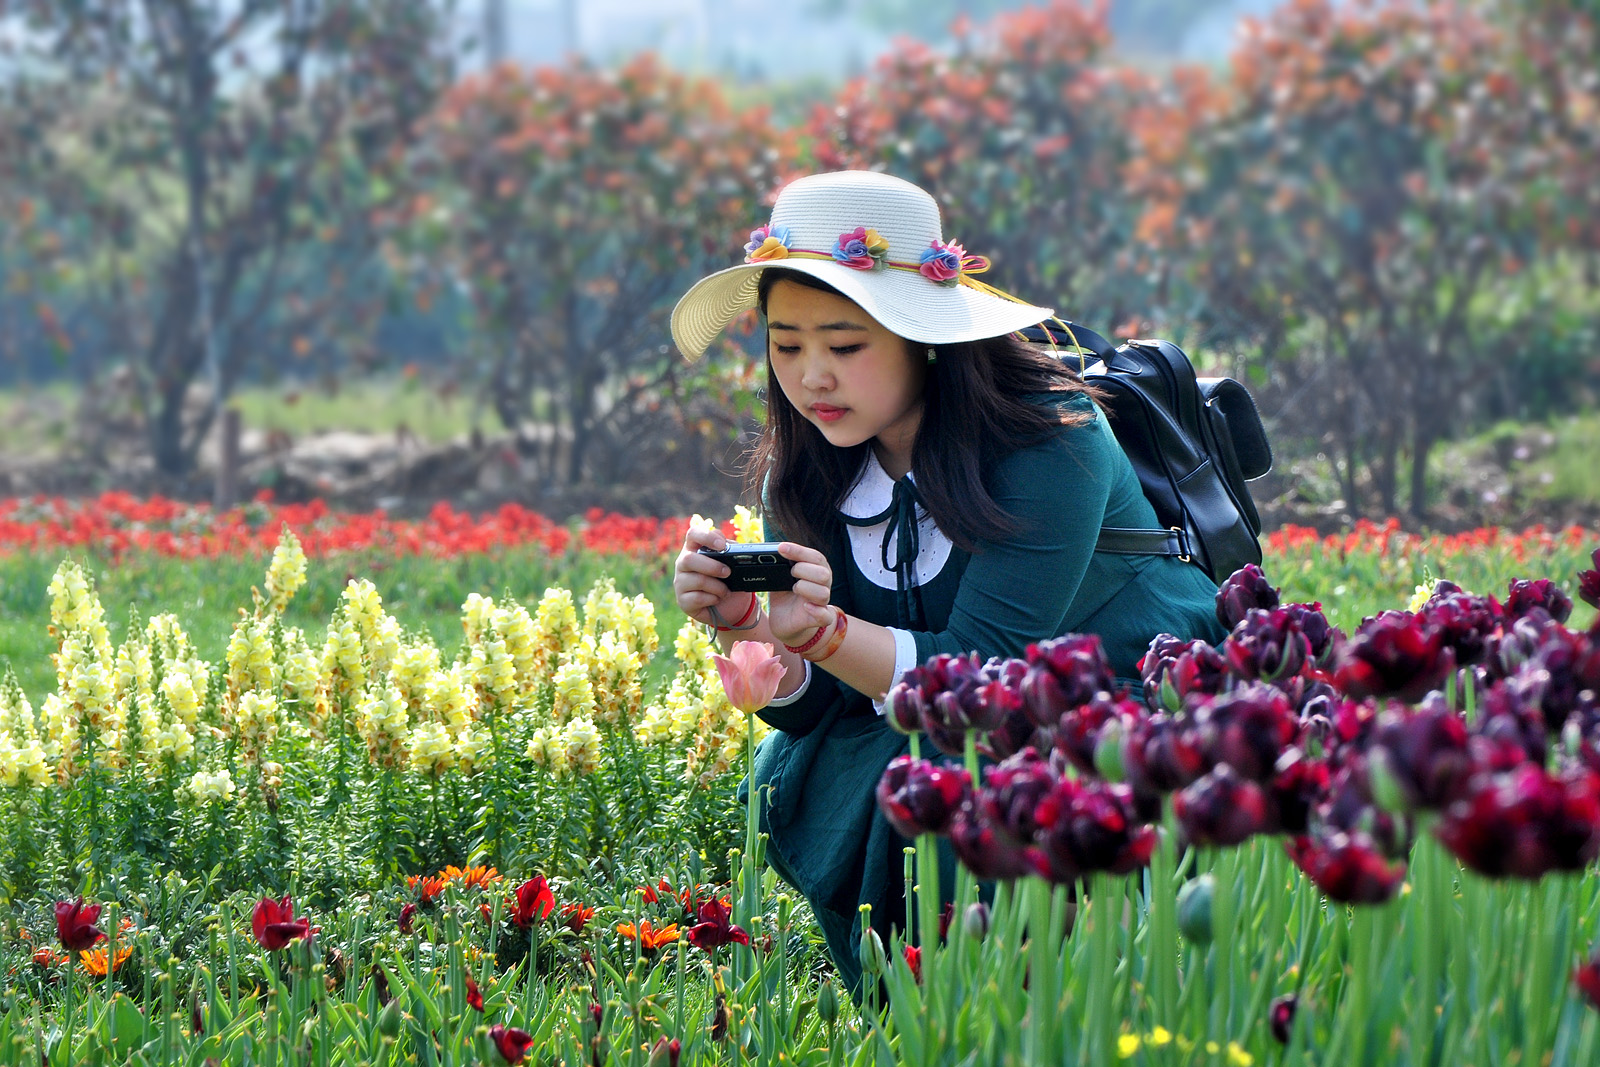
(874, 238)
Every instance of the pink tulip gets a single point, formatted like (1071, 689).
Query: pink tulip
(750, 676)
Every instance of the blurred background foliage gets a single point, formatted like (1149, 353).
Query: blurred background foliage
(1381, 215)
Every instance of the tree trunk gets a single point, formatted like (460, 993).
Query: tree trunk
(1422, 446)
(166, 429)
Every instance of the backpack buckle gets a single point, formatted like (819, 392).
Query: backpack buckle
(1184, 553)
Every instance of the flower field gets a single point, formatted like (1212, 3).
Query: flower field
(285, 786)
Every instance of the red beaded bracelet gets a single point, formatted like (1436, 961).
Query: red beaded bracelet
(816, 638)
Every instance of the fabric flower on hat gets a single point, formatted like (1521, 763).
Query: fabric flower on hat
(942, 262)
(767, 243)
(862, 249)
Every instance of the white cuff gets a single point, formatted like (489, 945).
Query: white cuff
(905, 657)
(781, 702)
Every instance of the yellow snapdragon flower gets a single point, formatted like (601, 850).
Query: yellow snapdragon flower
(431, 749)
(287, 571)
(209, 786)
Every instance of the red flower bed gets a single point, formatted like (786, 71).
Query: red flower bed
(117, 523)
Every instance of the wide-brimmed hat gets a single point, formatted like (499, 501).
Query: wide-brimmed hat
(874, 238)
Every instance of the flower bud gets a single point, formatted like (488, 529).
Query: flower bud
(665, 1052)
(1194, 908)
(975, 920)
(1108, 751)
(389, 1019)
(874, 961)
(828, 1003)
(903, 707)
(1280, 1018)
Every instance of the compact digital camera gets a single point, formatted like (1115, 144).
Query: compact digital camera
(755, 568)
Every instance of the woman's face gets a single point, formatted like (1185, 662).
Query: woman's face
(844, 372)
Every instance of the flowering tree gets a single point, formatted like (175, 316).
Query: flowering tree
(576, 205)
(1023, 133)
(1374, 177)
(213, 171)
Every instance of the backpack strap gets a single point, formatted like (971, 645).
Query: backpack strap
(1124, 541)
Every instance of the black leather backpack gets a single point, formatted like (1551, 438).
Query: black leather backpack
(1194, 442)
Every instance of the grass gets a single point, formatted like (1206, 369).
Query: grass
(43, 418)
(385, 404)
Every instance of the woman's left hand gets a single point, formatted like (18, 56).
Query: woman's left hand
(794, 616)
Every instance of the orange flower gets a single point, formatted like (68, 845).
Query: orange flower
(95, 962)
(477, 877)
(649, 938)
(428, 889)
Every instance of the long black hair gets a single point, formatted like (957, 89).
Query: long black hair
(982, 401)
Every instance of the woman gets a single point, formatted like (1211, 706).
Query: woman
(938, 486)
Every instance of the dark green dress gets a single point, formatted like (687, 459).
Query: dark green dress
(826, 836)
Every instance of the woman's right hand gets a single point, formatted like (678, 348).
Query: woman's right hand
(697, 580)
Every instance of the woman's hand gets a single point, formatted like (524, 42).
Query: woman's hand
(794, 616)
(697, 580)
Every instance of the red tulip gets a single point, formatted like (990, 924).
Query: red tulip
(534, 902)
(750, 675)
(474, 994)
(274, 924)
(75, 925)
(1587, 976)
(714, 928)
(407, 915)
(913, 957)
(512, 1044)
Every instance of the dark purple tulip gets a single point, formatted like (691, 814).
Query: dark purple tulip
(1174, 670)
(1320, 633)
(1221, 809)
(904, 705)
(1526, 596)
(1570, 663)
(1247, 728)
(1280, 1018)
(1162, 754)
(1246, 589)
(987, 855)
(1348, 807)
(1089, 826)
(920, 797)
(1267, 645)
(1079, 731)
(1423, 754)
(1589, 582)
(1393, 654)
(1064, 673)
(1011, 792)
(1015, 733)
(1512, 722)
(1526, 823)
(1347, 867)
(1297, 787)
(1465, 622)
